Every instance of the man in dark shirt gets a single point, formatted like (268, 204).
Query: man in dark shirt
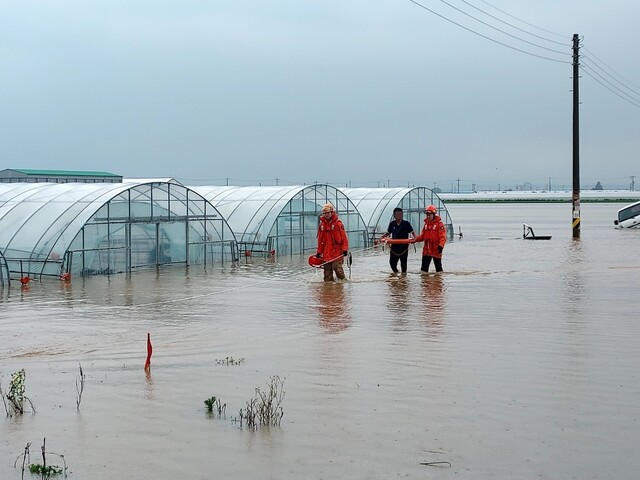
(399, 228)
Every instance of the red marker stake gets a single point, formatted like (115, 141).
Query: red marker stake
(147, 364)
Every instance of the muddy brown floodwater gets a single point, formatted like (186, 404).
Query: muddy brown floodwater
(520, 361)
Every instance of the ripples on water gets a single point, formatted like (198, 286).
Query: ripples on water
(520, 361)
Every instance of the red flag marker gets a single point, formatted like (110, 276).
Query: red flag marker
(147, 364)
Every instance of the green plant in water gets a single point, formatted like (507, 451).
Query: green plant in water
(45, 472)
(215, 403)
(14, 400)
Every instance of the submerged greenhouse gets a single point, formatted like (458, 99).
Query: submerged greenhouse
(50, 229)
(376, 207)
(282, 220)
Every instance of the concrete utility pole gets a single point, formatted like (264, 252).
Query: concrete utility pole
(575, 217)
(632, 187)
(458, 184)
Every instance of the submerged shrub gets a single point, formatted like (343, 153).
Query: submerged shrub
(265, 408)
(15, 399)
(42, 469)
(215, 403)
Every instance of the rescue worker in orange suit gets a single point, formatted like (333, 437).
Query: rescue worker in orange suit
(434, 236)
(333, 244)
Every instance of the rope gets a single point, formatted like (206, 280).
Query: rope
(399, 254)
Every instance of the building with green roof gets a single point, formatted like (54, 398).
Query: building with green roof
(27, 175)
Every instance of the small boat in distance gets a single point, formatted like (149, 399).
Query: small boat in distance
(628, 217)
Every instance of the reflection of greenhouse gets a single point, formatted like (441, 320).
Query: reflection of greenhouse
(376, 207)
(284, 219)
(48, 229)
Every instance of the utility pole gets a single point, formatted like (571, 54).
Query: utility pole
(458, 184)
(575, 218)
(632, 187)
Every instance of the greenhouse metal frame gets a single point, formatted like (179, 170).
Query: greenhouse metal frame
(48, 229)
(376, 207)
(5, 279)
(283, 219)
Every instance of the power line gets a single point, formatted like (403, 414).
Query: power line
(522, 21)
(594, 56)
(595, 63)
(610, 89)
(612, 85)
(566, 44)
(487, 37)
(502, 31)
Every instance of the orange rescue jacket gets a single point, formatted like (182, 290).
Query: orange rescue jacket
(332, 239)
(433, 233)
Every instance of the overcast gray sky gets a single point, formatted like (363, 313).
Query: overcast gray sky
(332, 91)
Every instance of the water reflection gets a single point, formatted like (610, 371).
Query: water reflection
(397, 302)
(332, 306)
(572, 277)
(433, 301)
(149, 386)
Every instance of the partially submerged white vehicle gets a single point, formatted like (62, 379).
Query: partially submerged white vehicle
(629, 216)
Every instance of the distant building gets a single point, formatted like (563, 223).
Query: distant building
(24, 175)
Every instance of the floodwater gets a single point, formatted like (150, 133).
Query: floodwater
(520, 361)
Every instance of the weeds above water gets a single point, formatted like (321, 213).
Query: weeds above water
(45, 471)
(229, 361)
(216, 404)
(15, 399)
(79, 386)
(265, 408)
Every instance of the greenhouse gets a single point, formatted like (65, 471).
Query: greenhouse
(282, 220)
(49, 229)
(376, 207)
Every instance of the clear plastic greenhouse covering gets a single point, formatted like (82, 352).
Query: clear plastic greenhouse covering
(104, 228)
(282, 220)
(376, 207)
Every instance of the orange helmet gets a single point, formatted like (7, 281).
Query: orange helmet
(431, 209)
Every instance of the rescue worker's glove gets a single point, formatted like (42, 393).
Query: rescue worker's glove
(439, 248)
(318, 255)
(345, 253)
